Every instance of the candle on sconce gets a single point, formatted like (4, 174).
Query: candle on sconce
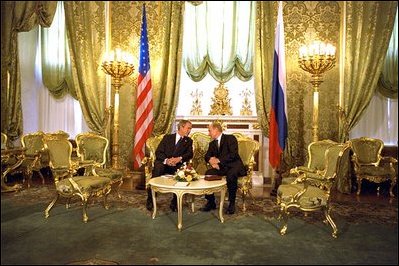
(316, 58)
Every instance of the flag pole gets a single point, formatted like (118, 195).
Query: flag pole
(278, 122)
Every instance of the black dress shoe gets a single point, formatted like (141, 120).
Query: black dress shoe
(149, 205)
(210, 205)
(231, 209)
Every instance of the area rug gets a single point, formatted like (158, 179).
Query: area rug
(351, 210)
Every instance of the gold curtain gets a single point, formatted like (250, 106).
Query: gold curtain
(17, 17)
(388, 81)
(85, 25)
(263, 59)
(367, 34)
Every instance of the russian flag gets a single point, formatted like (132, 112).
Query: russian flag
(278, 127)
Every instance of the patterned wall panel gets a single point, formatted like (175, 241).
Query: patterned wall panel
(305, 22)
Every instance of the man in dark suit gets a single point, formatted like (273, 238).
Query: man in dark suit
(223, 157)
(173, 150)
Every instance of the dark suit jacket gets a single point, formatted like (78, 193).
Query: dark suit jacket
(167, 149)
(227, 153)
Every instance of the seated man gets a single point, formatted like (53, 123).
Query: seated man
(223, 157)
(172, 152)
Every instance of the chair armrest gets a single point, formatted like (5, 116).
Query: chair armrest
(299, 170)
(318, 180)
(148, 166)
(388, 159)
(88, 165)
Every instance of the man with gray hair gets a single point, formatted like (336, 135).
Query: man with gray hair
(173, 150)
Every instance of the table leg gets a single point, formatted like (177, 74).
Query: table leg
(179, 211)
(222, 195)
(192, 203)
(154, 202)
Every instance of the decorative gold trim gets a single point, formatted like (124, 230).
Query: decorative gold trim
(221, 101)
(196, 108)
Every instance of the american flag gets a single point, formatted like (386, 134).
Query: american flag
(144, 113)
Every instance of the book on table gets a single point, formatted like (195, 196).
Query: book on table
(213, 177)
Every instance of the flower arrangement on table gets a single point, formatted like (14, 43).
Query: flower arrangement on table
(186, 173)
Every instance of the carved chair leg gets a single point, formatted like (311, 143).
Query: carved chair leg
(106, 206)
(85, 217)
(359, 185)
(393, 183)
(284, 218)
(243, 196)
(27, 177)
(47, 210)
(41, 176)
(67, 204)
(118, 189)
(331, 222)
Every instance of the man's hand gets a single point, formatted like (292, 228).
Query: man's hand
(173, 161)
(214, 162)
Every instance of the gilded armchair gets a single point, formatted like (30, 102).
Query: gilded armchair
(92, 151)
(34, 144)
(312, 191)
(370, 165)
(315, 160)
(11, 159)
(247, 149)
(148, 161)
(67, 185)
(59, 134)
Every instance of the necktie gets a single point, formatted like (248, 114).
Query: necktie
(179, 141)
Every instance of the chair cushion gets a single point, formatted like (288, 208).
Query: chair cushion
(87, 184)
(374, 170)
(313, 197)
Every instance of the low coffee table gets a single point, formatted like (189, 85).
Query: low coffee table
(166, 184)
